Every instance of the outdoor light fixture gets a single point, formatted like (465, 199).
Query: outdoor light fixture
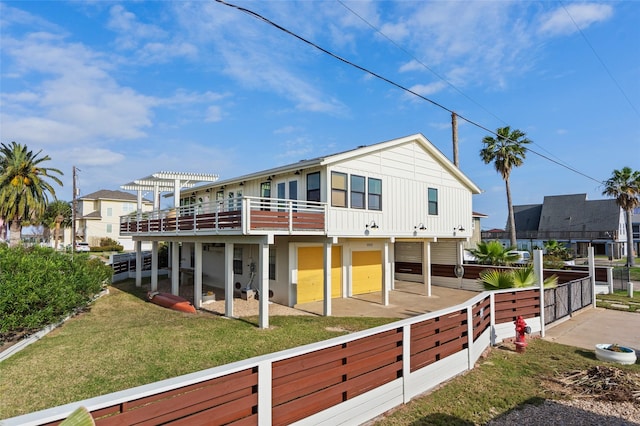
(371, 225)
(242, 183)
(460, 228)
(421, 227)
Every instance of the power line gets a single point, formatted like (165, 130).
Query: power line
(391, 82)
(586, 40)
(564, 163)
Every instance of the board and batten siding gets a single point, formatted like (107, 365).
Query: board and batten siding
(406, 171)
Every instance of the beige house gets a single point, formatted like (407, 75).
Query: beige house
(98, 216)
(331, 227)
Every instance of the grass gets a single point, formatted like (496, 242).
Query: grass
(502, 382)
(122, 342)
(619, 298)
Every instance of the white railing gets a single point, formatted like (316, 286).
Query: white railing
(244, 214)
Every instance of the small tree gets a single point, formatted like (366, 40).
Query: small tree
(493, 253)
(494, 279)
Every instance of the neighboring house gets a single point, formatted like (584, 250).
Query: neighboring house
(570, 219)
(98, 216)
(476, 230)
(330, 227)
(635, 223)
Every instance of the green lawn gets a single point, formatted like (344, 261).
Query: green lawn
(123, 341)
(618, 300)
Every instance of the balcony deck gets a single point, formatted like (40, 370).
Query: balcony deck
(236, 216)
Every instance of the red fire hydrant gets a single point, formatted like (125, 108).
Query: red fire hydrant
(521, 329)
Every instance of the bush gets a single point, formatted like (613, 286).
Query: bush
(116, 247)
(39, 286)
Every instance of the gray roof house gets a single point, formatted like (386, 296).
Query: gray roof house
(573, 220)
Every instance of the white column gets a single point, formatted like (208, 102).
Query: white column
(592, 273)
(538, 270)
(228, 280)
(264, 284)
(327, 278)
(154, 266)
(386, 274)
(197, 275)
(175, 268)
(426, 267)
(139, 264)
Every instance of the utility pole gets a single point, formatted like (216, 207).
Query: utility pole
(454, 135)
(73, 214)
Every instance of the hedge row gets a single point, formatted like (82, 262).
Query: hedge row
(39, 286)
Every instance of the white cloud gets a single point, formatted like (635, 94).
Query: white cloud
(573, 17)
(214, 114)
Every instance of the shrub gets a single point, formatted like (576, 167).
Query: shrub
(39, 286)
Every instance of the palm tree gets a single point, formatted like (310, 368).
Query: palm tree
(56, 216)
(506, 151)
(624, 185)
(493, 253)
(493, 279)
(24, 192)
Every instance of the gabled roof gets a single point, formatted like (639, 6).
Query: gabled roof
(107, 194)
(571, 212)
(527, 217)
(356, 152)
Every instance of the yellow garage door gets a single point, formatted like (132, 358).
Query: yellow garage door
(311, 275)
(366, 271)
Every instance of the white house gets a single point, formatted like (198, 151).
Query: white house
(98, 216)
(330, 227)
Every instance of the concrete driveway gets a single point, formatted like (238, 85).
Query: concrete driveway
(598, 325)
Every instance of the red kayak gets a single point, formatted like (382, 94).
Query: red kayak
(171, 301)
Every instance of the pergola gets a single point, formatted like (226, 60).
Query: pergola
(167, 182)
(163, 182)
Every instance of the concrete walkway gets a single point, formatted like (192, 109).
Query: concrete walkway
(597, 325)
(406, 300)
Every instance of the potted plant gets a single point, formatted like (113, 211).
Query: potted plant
(615, 353)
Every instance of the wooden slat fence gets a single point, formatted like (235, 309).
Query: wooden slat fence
(344, 380)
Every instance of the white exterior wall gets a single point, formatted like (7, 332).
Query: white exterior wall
(406, 171)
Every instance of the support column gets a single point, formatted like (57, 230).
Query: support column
(139, 264)
(228, 280)
(327, 278)
(426, 267)
(197, 275)
(263, 261)
(154, 266)
(386, 274)
(175, 268)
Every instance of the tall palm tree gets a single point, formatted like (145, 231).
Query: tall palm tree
(506, 151)
(624, 186)
(24, 192)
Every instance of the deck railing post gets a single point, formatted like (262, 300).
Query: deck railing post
(406, 362)
(290, 211)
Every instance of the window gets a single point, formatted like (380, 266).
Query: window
(293, 192)
(237, 260)
(272, 263)
(128, 207)
(313, 186)
(238, 200)
(109, 228)
(265, 193)
(109, 211)
(280, 194)
(357, 192)
(433, 201)
(338, 189)
(375, 194)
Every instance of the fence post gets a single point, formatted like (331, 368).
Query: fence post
(592, 274)
(470, 337)
(265, 400)
(406, 362)
(538, 269)
(492, 318)
(610, 279)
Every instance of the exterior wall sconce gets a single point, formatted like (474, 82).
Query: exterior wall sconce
(371, 225)
(298, 172)
(270, 178)
(420, 227)
(459, 228)
(242, 183)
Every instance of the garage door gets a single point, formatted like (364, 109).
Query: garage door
(311, 275)
(408, 261)
(366, 271)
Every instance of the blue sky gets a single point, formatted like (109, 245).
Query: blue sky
(125, 89)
